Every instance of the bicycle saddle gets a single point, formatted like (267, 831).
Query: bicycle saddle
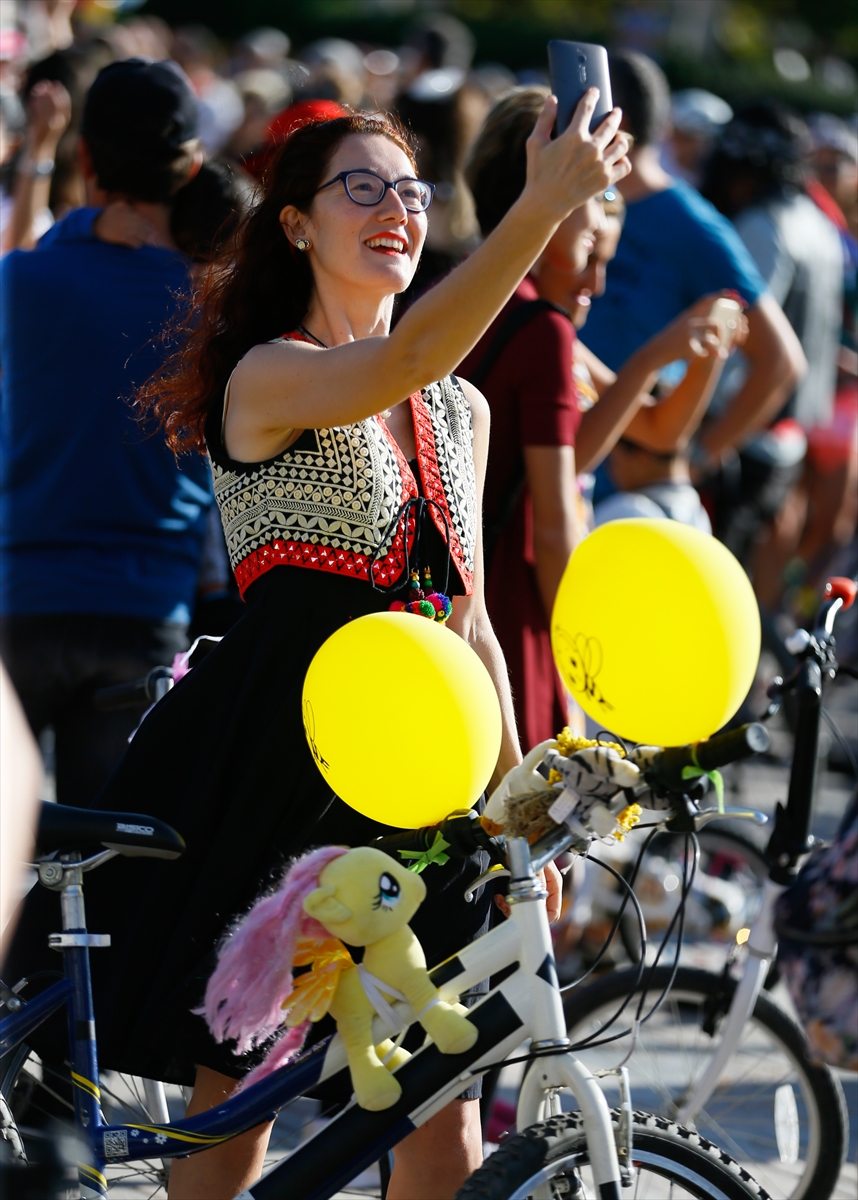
(132, 834)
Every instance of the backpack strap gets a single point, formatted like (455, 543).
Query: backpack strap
(512, 323)
(515, 320)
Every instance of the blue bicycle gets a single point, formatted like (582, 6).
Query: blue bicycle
(592, 1152)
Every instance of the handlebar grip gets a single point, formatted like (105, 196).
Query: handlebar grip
(121, 695)
(752, 738)
(667, 767)
(131, 695)
(462, 832)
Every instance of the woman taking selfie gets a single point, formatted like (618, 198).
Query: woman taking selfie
(321, 426)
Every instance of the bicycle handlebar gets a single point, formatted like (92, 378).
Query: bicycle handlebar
(666, 770)
(464, 834)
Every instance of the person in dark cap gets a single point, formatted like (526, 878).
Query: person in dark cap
(100, 530)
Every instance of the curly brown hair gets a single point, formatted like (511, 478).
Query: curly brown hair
(258, 287)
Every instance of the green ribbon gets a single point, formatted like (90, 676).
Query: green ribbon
(714, 777)
(435, 854)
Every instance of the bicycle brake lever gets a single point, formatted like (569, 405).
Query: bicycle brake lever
(739, 814)
(486, 877)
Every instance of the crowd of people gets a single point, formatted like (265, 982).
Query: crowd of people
(221, 277)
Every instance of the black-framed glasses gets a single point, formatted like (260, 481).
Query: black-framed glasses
(365, 187)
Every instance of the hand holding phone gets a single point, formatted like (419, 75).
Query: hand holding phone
(575, 67)
(726, 312)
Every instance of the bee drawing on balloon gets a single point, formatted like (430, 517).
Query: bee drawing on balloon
(310, 731)
(582, 661)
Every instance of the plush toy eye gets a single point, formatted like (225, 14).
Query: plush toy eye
(389, 892)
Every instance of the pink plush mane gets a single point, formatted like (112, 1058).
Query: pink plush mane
(253, 977)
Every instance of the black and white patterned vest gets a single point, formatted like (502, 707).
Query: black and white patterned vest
(334, 500)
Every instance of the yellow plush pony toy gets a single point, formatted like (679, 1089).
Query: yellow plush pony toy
(330, 898)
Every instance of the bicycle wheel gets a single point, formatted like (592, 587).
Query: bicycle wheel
(37, 1095)
(33, 1095)
(780, 1115)
(551, 1160)
(725, 896)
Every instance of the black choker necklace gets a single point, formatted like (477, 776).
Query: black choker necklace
(312, 336)
(306, 332)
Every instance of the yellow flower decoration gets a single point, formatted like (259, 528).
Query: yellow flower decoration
(626, 820)
(313, 992)
(569, 743)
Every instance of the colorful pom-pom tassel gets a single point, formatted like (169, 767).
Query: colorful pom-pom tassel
(425, 601)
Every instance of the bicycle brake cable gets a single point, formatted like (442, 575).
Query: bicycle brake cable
(688, 879)
(631, 882)
(689, 874)
(641, 966)
(847, 749)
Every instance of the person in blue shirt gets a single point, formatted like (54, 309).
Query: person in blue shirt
(101, 530)
(675, 248)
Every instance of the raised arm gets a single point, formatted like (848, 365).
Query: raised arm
(49, 111)
(777, 364)
(297, 386)
(625, 404)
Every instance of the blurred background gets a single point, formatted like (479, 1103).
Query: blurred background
(439, 63)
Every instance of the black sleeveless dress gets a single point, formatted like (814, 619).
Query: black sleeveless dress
(223, 758)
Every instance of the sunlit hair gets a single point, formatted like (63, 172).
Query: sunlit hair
(497, 165)
(258, 287)
(252, 981)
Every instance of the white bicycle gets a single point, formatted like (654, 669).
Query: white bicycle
(719, 1055)
(591, 1154)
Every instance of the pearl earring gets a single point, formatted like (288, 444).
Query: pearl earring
(302, 243)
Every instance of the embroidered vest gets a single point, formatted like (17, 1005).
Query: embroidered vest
(335, 505)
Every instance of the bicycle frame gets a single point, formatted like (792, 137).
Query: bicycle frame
(790, 840)
(525, 1004)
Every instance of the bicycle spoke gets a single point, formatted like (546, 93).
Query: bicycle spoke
(722, 1138)
(42, 1086)
(769, 1087)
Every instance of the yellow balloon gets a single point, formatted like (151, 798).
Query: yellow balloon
(402, 718)
(656, 631)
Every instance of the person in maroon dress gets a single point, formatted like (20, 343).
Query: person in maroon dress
(544, 429)
(531, 523)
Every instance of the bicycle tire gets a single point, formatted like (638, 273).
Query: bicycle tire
(662, 1151)
(711, 841)
(10, 1134)
(735, 1116)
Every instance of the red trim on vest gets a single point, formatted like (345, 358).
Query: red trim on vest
(433, 487)
(385, 571)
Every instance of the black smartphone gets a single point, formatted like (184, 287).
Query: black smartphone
(575, 67)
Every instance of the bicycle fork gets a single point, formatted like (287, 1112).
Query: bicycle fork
(554, 1071)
